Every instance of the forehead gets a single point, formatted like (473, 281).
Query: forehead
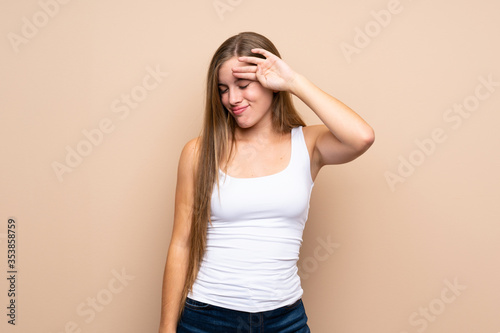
(225, 71)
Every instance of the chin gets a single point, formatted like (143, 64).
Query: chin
(244, 125)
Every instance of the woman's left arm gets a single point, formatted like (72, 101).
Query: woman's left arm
(344, 135)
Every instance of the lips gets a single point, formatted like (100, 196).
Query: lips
(239, 110)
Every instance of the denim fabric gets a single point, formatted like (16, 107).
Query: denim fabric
(199, 317)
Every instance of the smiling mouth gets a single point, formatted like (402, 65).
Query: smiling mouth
(239, 110)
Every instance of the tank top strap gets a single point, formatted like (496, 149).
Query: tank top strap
(300, 160)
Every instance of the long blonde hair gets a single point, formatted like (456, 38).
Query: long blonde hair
(215, 140)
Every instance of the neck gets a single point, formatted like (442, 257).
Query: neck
(262, 134)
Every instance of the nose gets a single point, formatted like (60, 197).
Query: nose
(235, 96)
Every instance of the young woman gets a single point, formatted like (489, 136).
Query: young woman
(243, 190)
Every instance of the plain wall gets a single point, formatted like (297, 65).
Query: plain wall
(402, 240)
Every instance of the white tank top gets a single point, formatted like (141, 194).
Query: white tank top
(250, 263)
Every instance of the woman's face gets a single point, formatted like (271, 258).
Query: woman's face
(247, 101)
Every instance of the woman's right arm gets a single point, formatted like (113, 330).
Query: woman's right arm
(178, 251)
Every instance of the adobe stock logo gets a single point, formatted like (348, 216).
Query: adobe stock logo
(31, 27)
(429, 313)
(455, 116)
(223, 6)
(364, 36)
(121, 106)
(92, 306)
(322, 252)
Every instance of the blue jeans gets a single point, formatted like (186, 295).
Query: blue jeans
(199, 317)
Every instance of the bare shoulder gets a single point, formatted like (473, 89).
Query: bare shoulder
(311, 134)
(189, 155)
(191, 147)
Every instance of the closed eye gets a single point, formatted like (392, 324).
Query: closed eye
(223, 91)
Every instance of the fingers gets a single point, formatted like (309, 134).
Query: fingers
(264, 52)
(251, 60)
(245, 72)
(245, 76)
(255, 60)
(245, 69)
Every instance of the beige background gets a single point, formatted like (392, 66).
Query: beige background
(395, 248)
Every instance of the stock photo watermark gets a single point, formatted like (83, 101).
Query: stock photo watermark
(324, 249)
(223, 6)
(31, 26)
(92, 306)
(12, 269)
(321, 253)
(363, 36)
(430, 312)
(122, 106)
(454, 117)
